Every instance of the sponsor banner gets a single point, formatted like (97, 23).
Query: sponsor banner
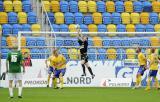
(36, 75)
(116, 82)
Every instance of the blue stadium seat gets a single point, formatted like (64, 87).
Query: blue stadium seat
(102, 28)
(64, 51)
(4, 53)
(35, 53)
(32, 18)
(145, 42)
(59, 41)
(68, 42)
(101, 54)
(63, 28)
(92, 54)
(51, 17)
(30, 41)
(121, 54)
(149, 28)
(135, 42)
(78, 18)
(153, 18)
(88, 19)
(12, 18)
(140, 28)
(116, 42)
(147, 6)
(69, 18)
(107, 18)
(90, 42)
(40, 41)
(126, 42)
(1, 6)
(6, 29)
(101, 6)
(26, 27)
(73, 6)
(119, 6)
(16, 29)
(84, 28)
(121, 28)
(55, 27)
(64, 6)
(3, 41)
(116, 18)
(106, 42)
(137, 6)
(27, 7)
(43, 52)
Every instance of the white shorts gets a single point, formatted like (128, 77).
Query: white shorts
(14, 76)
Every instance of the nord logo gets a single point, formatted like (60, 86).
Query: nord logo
(78, 80)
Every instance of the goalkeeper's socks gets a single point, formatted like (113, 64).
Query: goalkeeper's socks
(90, 71)
(11, 92)
(84, 70)
(20, 91)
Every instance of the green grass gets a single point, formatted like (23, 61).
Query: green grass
(82, 95)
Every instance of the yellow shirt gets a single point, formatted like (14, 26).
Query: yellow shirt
(154, 62)
(50, 59)
(58, 60)
(141, 59)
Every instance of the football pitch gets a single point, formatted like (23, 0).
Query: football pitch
(82, 95)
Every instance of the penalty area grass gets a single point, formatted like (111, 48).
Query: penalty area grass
(82, 95)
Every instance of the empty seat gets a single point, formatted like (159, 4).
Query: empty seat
(16, 29)
(153, 18)
(101, 54)
(125, 18)
(17, 5)
(157, 28)
(64, 6)
(27, 6)
(36, 28)
(101, 28)
(119, 6)
(107, 18)
(88, 19)
(84, 28)
(72, 28)
(128, 6)
(55, 6)
(144, 16)
(92, 54)
(1, 6)
(63, 28)
(110, 6)
(92, 7)
(23, 41)
(111, 28)
(140, 28)
(26, 27)
(121, 28)
(97, 18)
(130, 28)
(3, 41)
(73, 5)
(51, 17)
(22, 17)
(78, 18)
(82, 6)
(12, 18)
(111, 54)
(11, 41)
(97, 41)
(4, 18)
(149, 28)
(154, 41)
(69, 18)
(56, 27)
(40, 41)
(31, 41)
(135, 18)
(138, 7)
(6, 29)
(101, 7)
(59, 18)
(32, 18)
(147, 6)
(8, 6)
(131, 53)
(92, 28)
(156, 6)
(116, 17)
(46, 5)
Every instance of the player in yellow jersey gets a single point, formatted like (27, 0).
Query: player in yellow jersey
(60, 68)
(50, 68)
(142, 67)
(153, 69)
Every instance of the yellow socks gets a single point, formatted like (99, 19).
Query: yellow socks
(55, 82)
(61, 82)
(138, 80)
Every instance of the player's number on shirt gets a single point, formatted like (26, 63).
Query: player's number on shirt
(13, 58)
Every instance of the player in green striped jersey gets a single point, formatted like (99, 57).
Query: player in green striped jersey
(14, 62)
